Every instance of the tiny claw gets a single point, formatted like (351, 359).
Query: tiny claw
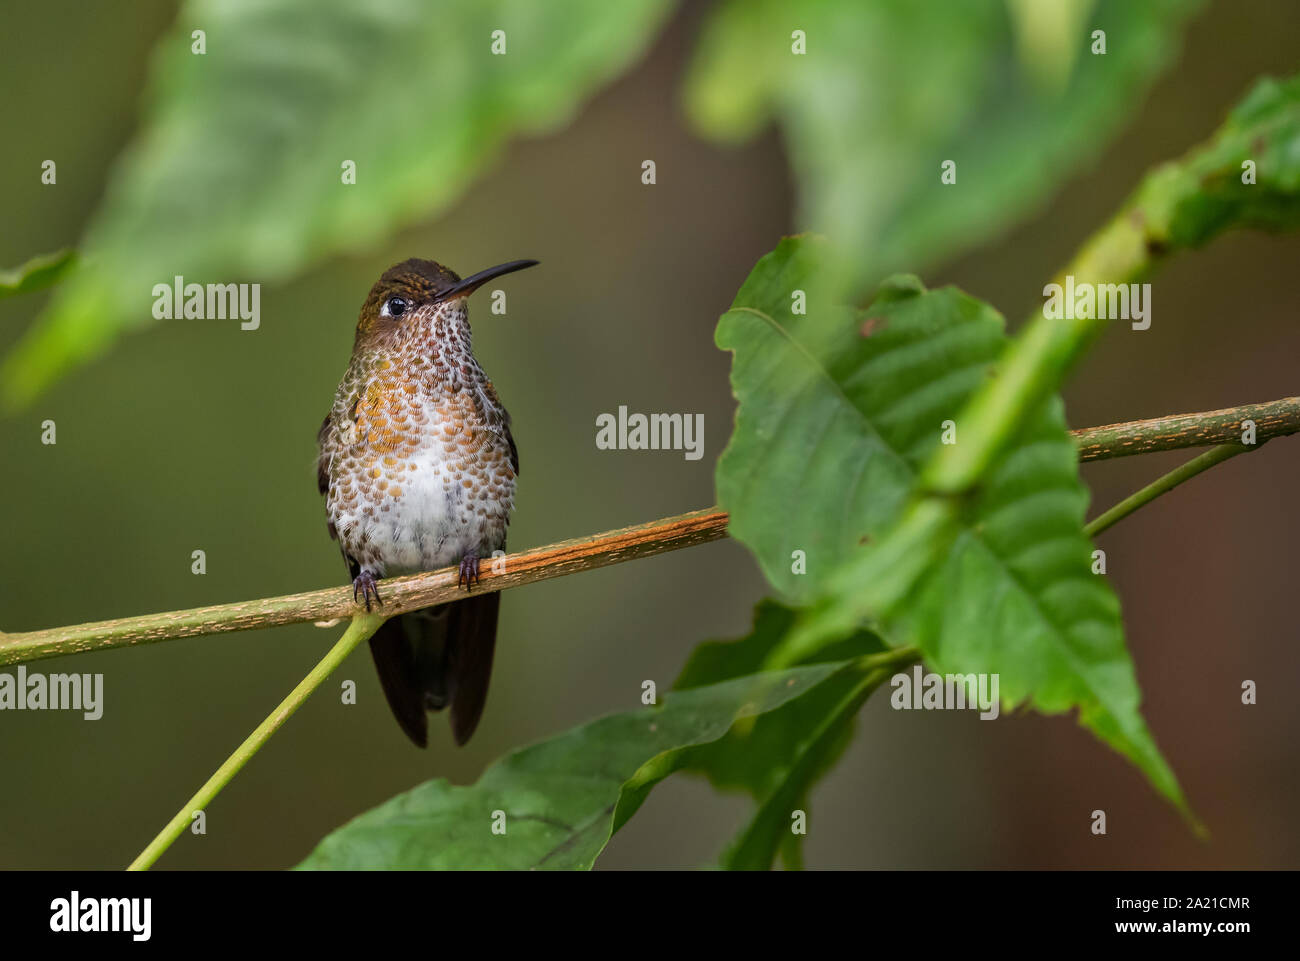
(468, 571)
(364, 587)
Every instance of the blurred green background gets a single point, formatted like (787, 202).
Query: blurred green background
(194, 435)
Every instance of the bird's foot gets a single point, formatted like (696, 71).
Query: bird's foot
(468, 571)
(364, 587)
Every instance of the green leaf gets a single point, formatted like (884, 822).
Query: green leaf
(835, 408)
(1075, 639)
(713, 662)
(778, 757)
(563, 798)
(1063, 636)
(37, 274)
(888, 91)
(820, 745)
(840, 411)
(236, 174)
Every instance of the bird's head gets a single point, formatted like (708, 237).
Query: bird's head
(416, 293)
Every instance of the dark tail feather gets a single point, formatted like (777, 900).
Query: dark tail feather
(473, 636)
(428, 659)
(393, 652)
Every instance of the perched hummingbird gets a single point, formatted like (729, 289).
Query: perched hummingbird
(418, 470)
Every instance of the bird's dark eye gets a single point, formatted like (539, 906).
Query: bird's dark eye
(395, 306)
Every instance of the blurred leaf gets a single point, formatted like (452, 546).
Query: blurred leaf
(887, 91)
(1047, 37)
(563, 798)
(1246, 175)
(37, 274)
(235, 175)
(784, 752)
(841, 411)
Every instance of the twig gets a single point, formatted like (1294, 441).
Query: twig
(362, 626)
(399, 594)
(1163, 485)
(1276, 418)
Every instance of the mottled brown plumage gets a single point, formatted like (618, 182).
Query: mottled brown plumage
(418, 468)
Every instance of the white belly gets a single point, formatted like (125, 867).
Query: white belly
(434, 523)
(428, 509)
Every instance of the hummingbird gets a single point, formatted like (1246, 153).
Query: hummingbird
(418, 467)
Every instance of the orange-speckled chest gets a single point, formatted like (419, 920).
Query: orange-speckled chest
(420, 464)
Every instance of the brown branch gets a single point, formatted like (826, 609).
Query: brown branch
(399, 594)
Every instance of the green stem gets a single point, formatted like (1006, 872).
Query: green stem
(1162, 485)
(362, 626)
(1180, 205)
(891, 658)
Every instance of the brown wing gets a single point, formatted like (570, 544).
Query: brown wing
(323, 439)
(497, 409)
(325, 450)
(327, 440)
(514, 451)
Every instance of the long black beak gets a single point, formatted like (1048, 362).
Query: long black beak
(474, 282)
